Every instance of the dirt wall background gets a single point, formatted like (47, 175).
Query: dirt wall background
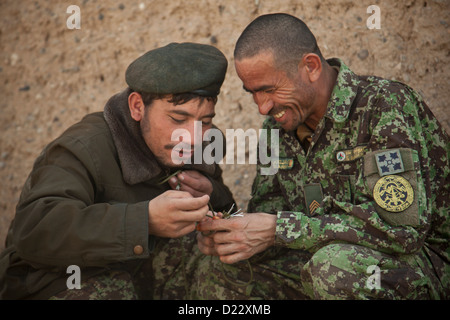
(50, 76)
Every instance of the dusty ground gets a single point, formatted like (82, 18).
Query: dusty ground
(50, 76)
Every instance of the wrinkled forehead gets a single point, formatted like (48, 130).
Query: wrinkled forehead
(255, 65)
(258, 72)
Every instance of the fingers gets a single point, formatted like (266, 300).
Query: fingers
(193, 182)
(174, 183)
(235, 251)
(187, 207)
(192, 204)
(178, 210)
(229, 246)
(177, 194)
(227, 252)
(225, 244)
(175, 213)
(184, 201)
(206, 245)
(217, 225)
(239, 238)
(186, 188)
(187, 228)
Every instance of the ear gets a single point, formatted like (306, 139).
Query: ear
(313, 66)
(136, 106)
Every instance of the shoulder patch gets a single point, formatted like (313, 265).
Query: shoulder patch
(389, 162)
(398, 198)
(393, 193)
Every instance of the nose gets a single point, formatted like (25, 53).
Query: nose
(265, 104)
(196, 131)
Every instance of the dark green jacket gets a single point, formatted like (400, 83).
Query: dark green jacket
(85, 203)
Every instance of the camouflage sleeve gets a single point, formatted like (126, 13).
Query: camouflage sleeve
(399, 121)
(266, 192)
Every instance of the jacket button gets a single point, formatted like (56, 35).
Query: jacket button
(138, 250)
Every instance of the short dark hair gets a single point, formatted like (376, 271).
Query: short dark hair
(176, 99)
(285, 36)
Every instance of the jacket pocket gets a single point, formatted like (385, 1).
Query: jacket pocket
(347, 183)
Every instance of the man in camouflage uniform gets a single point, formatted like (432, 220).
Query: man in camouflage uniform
(358, 208)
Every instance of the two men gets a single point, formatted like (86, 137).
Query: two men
(97, 197)
(363, 187)
(363, 191)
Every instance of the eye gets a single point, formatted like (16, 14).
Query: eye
(269, 91)
(176, 120)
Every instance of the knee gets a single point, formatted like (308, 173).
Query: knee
(337, 271)
(347, 271)
(332, 257)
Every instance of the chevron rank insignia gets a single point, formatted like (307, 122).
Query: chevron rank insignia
(313, 206)
(389, 162)
(313, 197)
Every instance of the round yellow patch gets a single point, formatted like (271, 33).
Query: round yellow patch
(393, 193)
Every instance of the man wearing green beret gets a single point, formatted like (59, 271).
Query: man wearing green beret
(106, 213)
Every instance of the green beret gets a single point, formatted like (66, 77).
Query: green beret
(178, 68)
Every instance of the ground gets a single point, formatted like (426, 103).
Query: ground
(51, 76)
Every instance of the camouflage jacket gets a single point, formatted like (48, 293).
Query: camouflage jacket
(376, 173)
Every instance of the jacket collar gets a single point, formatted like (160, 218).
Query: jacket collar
(137, 161)
(344, 92)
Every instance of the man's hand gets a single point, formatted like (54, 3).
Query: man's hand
(174, 213)
(193, 182)
(237, 238)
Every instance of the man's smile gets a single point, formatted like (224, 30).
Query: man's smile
(279, 114)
